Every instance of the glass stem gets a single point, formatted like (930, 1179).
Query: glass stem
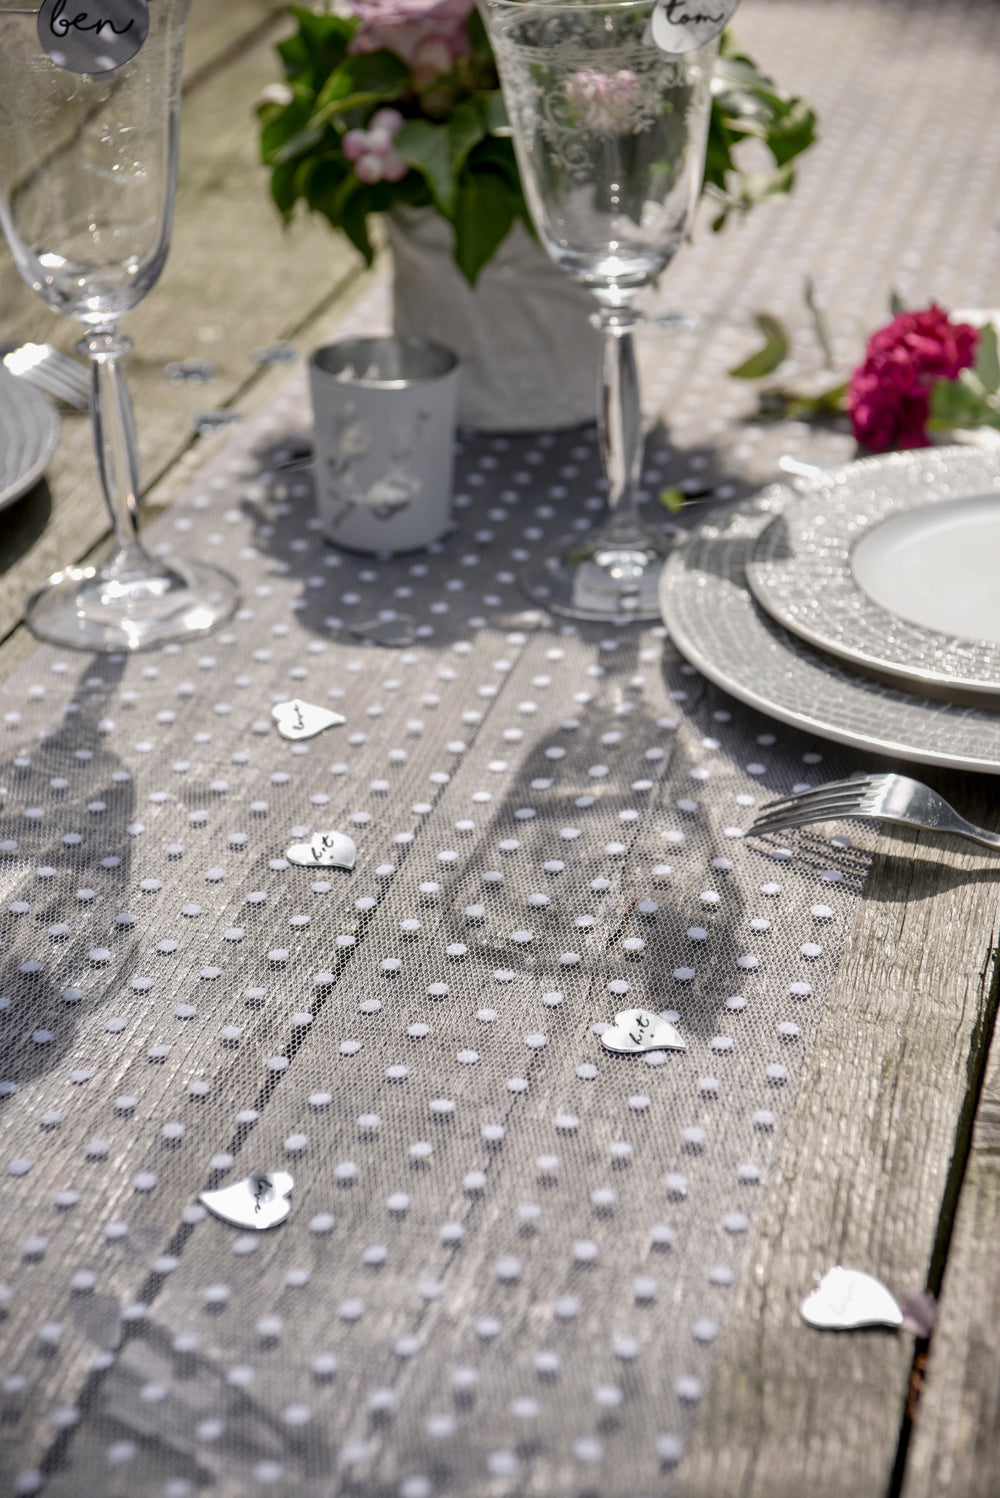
(620, 425)
(114, 437)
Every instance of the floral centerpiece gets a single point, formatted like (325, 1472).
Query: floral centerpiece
(394, 108)
(397, 102)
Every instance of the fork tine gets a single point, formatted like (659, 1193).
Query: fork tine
(817, 808)
(71, 376)
(857, 789)
(811, 807)
(58, 382)
(835, 812)
(52, 371)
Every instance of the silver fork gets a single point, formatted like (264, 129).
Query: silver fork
(56, 373)
(877, 798)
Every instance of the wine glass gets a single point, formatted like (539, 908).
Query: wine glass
(88, 171)
(610, 136)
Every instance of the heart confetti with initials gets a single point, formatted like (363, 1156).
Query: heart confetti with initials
(303, 720)
(261, 1201)
(848, 1298)
(638, 1030)
(685, 25)
(92, 38)
(328, 850)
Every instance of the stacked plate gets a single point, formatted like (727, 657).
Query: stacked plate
(29, 432)
(864, 608)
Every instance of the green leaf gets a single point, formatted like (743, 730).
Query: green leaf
(466, 128)
(896, 303)
(495, 113)
(672, 500)
(318, 46)
(362, 80)
(351, 214)
(439, 151)
(766, 359)
(301, 143)
(763, 187)
(792, 132)
(283, 189)
(963, 403)
(479, 38)
(781, 404)
(323, 183)
(746, 104)
(987, 364)
(485, 210)
(819, 322)
(427, 147)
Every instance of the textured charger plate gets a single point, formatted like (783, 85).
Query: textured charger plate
(801, 569)
(716, 623)
(29, 433)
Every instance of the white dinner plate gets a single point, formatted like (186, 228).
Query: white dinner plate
(892, 564)
(716, 623)
(29, 435)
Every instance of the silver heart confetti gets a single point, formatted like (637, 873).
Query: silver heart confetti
(849, 1298)
(261, 1201)
(328, 850)
(304, 720)
(637, 1030)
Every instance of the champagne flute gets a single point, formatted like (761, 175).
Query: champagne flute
(610, 136)
(88, 172)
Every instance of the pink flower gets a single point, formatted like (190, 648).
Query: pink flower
(889, 398)
(606, 102)
(429, 35)
(373, 151)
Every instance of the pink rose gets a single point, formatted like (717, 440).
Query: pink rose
(429, 35)
(889, 398)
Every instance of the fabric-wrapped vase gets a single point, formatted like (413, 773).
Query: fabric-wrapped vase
(530, 357)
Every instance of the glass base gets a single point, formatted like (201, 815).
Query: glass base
(599, 576)
(134, 602)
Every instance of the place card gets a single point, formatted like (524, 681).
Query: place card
(92, 36)
(637, 1030)
(685, 25)
(261, 1201)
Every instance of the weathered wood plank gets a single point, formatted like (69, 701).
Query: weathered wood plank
(862, 1180)
(218, 28)
(955, 1446)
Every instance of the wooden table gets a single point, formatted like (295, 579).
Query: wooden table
(890, 1156)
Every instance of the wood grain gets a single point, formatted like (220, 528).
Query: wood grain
(864, 1179)
(955, 1447)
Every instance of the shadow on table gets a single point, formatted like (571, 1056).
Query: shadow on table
(23, 523)
(53, 838)
(519, 491)
(595, 863)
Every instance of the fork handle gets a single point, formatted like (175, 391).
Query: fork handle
(954, 824)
